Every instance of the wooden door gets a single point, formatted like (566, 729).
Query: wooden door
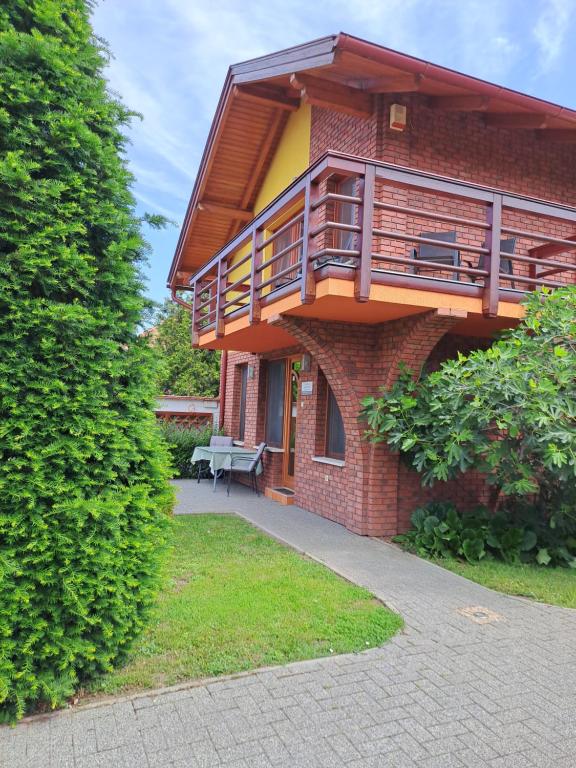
(290, 416)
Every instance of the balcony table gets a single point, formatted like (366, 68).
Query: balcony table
(220, 457)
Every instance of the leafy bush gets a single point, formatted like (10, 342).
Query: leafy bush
(439, 530)
(508, 411)
(83, 474)
(181, 441)
(183, 370)
(556, 534)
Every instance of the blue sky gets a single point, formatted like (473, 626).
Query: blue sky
(171, 57)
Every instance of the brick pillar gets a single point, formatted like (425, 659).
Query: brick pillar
(356, 360)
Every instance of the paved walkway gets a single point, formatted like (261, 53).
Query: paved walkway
(477, 679)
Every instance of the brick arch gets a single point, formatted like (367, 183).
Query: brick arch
(413, 340)
(451, 344)
(357, 360)
(321, 341)
(329, 345)
(311, 334)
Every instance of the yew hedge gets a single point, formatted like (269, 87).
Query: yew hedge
(83, 478)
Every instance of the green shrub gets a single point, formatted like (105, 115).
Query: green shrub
(83, 473)
(440, 531)
(556, 534)
(513, 536)
(181, 441)
(508, 411)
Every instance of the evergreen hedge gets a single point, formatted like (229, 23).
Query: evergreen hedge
(83, 478)
(181, 441)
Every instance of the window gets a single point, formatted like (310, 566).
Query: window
(335, 444)
(346, 214)
(292, 257)
(275, 388)
(242, 404)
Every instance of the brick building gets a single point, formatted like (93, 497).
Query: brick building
(309, 254)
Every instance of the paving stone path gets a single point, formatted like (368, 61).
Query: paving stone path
(477, 679)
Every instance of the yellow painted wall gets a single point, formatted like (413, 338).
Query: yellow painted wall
(290, 160)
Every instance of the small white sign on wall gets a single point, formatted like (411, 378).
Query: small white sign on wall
(307, 387)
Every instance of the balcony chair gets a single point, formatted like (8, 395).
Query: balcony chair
(247, 466)
(506, 246)
(204, 465)
(437, 253)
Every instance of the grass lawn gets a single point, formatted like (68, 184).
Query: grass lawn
(233, 599)
(556, 586)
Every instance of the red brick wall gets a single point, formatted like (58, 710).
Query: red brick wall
(343, 133)
(461, 146)
(371, 493)
(411, 495)
(452, 144)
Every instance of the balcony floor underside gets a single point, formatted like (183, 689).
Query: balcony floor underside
(335, 302)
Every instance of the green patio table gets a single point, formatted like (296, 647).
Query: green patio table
(220, 457)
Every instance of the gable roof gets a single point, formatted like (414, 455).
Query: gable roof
(341, 72)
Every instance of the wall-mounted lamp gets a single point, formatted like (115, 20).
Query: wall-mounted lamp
(397, 117)
(306, 363)
(250, 371)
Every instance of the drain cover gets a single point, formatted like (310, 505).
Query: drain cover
(480, 615)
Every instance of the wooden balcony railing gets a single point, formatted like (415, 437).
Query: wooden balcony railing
(501, 244)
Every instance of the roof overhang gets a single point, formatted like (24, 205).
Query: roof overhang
(340, 72)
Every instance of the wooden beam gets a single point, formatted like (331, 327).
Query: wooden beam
(182, 277)
(517, 120)
(400, 84)
(269, 97)
(327, 93)
(362, 279)
(491, 291)
(560, 135)
(221, 209)
(461, 103)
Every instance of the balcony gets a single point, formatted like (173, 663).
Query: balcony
(360, 241)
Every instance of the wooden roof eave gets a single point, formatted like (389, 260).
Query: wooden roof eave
(426, 69)
(317, 53)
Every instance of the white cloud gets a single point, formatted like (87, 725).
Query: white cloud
(156, 103)
(472, 37)
(550, 31)
(152, 206)
(158, 180)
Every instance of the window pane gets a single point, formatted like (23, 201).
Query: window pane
(275, 403)
(284, 240)
(335, 437)
(243, 383)
(346, 214)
